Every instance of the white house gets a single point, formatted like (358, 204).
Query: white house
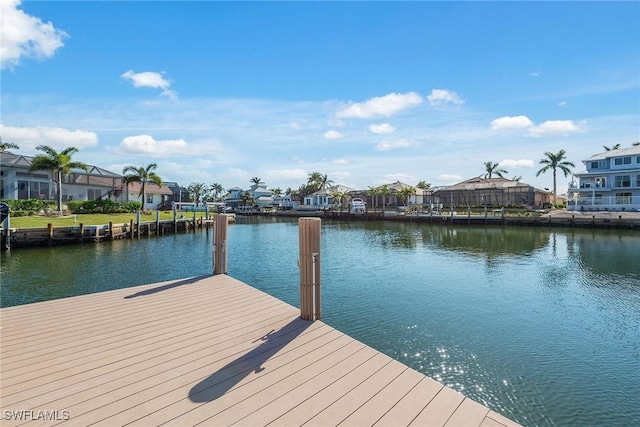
(156, 196)
(610, 182)
(324, 198)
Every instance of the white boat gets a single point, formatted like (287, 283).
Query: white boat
(357, 206)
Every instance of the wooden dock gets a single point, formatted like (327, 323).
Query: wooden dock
(211, 351)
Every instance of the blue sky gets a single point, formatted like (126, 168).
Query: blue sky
(366, 92)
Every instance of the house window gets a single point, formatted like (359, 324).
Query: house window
(149, 198)
(623, 198)
(626, 160)
(623, 181)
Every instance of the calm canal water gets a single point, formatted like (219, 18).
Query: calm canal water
(540, 325)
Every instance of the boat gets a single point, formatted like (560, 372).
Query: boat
(357, 206)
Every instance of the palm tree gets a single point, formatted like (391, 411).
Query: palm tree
(217, 190)
(277, 191)
(384, 191)
(615, 147)
(635, 144)
(142, 175)
(493, 168)
(247, 199)
(423, 185)
(319, 181)
(338, 198)
(406, 194)
(196, 191)
(4, 146)
(372, 192)
(255, 180)
(517, 178)
(554, 162)
(59, 164)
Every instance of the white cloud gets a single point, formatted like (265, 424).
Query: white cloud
(557, 127)
(391, 145)
(333, 134)
(535, 74)
(340, 162)
(562, 104)
(55, 137)
(442, 97)
(285, 174)
(449, 178)
(147, 146)
(152, 80)
(22, 35)
(382, 128)
(382, 106)
(509, 123)
(295, 125)
(339, 177)
(298, 160)
(516, 164)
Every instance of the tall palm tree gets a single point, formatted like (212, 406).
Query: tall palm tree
(338, 198)
(384, 191)
(60, 165)
(319, 181)
(553, 162)
(217, 190)
(614, 147)
(196, 191)
(255, 180)
(493, 168)
(4, 146)
(372, 192)
(635, 144)
(277, 191)
(142, 175)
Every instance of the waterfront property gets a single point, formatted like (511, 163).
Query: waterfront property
(611, 182)
(208, 350)
(17, 182)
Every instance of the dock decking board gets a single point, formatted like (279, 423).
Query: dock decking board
(207, 350)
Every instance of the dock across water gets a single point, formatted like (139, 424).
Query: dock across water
(211, 351)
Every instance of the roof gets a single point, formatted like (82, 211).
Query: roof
(11, 159)
(331, 190)
(631, 151)
(479, 183)
(151, 188)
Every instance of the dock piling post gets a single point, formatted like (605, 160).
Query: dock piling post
(309, 264)
(6, 225)
(220, 244)
(81, 232)
(157, 222)
(49, 234)
(110, 230)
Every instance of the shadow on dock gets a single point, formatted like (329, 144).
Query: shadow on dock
(223, 380)
(168, 286)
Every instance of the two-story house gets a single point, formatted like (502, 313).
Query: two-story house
(611, 182)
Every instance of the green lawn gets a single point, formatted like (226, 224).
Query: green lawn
(90, 219)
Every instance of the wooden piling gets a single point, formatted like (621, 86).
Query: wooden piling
(110, 230)
(220, 244)
(309, 264)
(131, 229)
(81, 232)
(49, 233)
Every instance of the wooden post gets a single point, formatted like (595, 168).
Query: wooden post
(81, 232)
(131, 229)
(157, 222)
(175, 220)
(138, 224)
(110, 230)
(49, 233)
(7, 232)
(220, 244)
(309, 264)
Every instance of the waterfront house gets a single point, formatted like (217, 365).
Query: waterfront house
(493, 192)
(156, 196)
(323, 199)
(611, 182)
(17, 182)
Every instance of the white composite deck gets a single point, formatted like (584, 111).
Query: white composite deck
(208, 351)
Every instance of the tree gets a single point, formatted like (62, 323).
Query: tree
(554, 162)
(142, 175)
(493, 168)
(635, 144)
(338, 198)
(406, 194)
(372, 192)
(423, 185)
(277, 191)
(614, 147)
(197, 192)
(319, 181)
(217, 190)
(60, 165)
(517, 178)
(4, 146)
(255, 180)
(384, 191)
(247, 199)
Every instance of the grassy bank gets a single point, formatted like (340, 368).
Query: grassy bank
(90, 219)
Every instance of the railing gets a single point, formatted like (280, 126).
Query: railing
(591, 202)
